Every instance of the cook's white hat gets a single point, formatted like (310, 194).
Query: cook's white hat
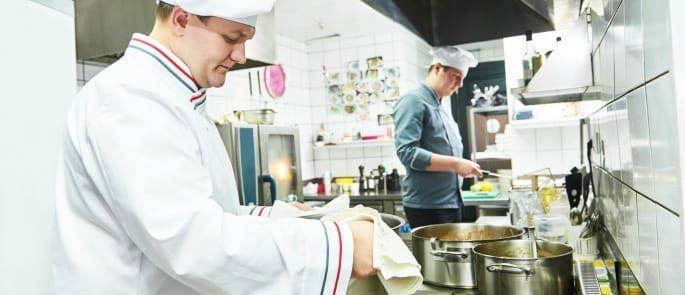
(242, 11)
(454, 57)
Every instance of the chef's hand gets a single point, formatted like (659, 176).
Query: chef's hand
(467, 169)
(362, 234)
(300, 206)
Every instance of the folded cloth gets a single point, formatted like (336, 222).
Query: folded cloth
(282, 209)
(398, 270)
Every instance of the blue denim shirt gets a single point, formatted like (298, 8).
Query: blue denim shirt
(421, 130)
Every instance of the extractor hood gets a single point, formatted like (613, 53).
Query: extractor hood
(452, 22)
(104, 28)
(567, 74)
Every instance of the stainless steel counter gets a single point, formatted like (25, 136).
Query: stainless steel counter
(501, 200)
(427, 289)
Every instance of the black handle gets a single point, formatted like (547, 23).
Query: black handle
(272, 186)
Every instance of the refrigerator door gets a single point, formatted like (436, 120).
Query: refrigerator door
(248, 164)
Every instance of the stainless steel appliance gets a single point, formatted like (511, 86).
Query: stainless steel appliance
(445, 250)
(507, 267)
(261, 155)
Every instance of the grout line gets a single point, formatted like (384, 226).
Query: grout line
(637, 192)
(628, 92)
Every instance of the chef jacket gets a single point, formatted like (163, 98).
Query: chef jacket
(423, 127)
(147, 202)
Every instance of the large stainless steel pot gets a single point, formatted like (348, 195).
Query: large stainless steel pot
(507, 267)
(445, 250)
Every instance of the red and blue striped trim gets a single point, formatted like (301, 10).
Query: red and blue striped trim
(328, 262)
(340, 248)
(174, 67)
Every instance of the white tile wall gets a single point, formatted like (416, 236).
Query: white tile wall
(670, 266)
(664, 142)
(648, 244)
(292, 109)
(398, 48)
(557, 148)
(635, 51)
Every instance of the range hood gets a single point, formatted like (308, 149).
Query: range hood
(567, 74)
(450, 22)
(104, 28)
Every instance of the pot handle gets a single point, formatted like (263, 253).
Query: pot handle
(449, 254)
(510, 268)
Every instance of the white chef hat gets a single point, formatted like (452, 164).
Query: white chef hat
(455, 57)
(242, 11)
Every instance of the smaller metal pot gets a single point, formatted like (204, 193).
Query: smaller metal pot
(445, 250)
(507, 267)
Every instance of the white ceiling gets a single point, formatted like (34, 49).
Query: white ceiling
(303, 20)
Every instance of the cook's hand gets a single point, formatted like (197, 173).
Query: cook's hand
(362, 234)
(467, 169)
(300, 206)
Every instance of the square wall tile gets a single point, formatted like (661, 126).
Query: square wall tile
(307, 170)
(631, 241)
(570, 159)
(640, 151)
(570, 138)
(523, 162)
(552, 160)
(524, 140)
(331, 44)
(370, 152)
(355, 153)
(664, 142)
(338, 154)
(321, 154)
(649, 249)
(339, 168)
(548, 139)
(657, 37)
(670, 252)
(321, 167)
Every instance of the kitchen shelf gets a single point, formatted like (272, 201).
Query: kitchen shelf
(357, 144)
(492, 155)
(554, 96)
(533, 123)
(498, 109)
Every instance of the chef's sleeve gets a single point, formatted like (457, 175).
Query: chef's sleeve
(160, 193)
(408, 115)
(263, 211)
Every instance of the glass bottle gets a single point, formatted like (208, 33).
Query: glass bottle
(532, 60)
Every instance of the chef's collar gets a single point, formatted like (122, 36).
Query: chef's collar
(435, 101)
(172, 64)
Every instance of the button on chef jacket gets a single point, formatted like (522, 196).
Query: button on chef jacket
(147, 201)
(423, 127)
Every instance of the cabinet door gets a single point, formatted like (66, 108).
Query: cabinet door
(657, 37)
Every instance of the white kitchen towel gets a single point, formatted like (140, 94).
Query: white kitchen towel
(398, 270)
(282, 209)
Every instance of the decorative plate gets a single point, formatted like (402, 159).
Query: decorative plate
(274, 80)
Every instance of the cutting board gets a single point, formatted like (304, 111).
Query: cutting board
(479, 195)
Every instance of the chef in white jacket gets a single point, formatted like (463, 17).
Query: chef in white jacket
(146, 198)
